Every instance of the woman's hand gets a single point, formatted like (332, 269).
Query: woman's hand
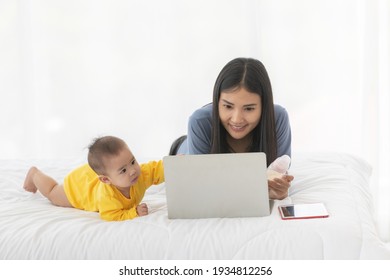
(278, 186)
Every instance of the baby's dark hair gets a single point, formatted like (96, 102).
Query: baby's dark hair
(101, 148)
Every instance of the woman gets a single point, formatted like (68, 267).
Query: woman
(242, 118)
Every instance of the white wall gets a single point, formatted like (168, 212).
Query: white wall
(137, 69)
(73, 70)
(77, 69)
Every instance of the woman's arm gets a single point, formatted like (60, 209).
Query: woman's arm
(199, 131)
(283, 131)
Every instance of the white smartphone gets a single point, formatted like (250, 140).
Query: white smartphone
(303, 211)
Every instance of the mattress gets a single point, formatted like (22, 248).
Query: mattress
(32, 228)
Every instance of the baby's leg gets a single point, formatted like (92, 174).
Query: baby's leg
(49, 187)
(28, 181)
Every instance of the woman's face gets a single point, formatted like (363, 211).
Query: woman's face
(239, 112)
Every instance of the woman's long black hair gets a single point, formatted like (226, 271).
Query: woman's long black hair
(250, 74)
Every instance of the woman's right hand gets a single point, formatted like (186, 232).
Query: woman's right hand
(278, 179)
(278, 186)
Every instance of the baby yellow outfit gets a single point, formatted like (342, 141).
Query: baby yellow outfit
(85, 191)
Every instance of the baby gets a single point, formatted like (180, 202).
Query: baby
(112, 183)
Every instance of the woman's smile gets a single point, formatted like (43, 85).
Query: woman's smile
(237, 128)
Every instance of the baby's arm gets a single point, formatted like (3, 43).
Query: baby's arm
(120, 214)
(152, 173)
(112, 209)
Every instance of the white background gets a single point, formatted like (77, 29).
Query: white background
(73, 70)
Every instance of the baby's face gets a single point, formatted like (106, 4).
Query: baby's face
(123, 169)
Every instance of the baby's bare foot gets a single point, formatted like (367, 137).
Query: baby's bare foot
(28, 182)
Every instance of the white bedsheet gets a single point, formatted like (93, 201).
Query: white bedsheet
(32, 228)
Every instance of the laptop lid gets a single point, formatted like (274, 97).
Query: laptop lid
(216, 185)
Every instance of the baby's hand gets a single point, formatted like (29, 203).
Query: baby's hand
(142, 209)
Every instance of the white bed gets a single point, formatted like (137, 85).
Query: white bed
(32, 228)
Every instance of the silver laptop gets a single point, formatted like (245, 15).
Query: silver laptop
(216, 186)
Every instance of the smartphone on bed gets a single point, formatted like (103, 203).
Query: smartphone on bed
(303, 211)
